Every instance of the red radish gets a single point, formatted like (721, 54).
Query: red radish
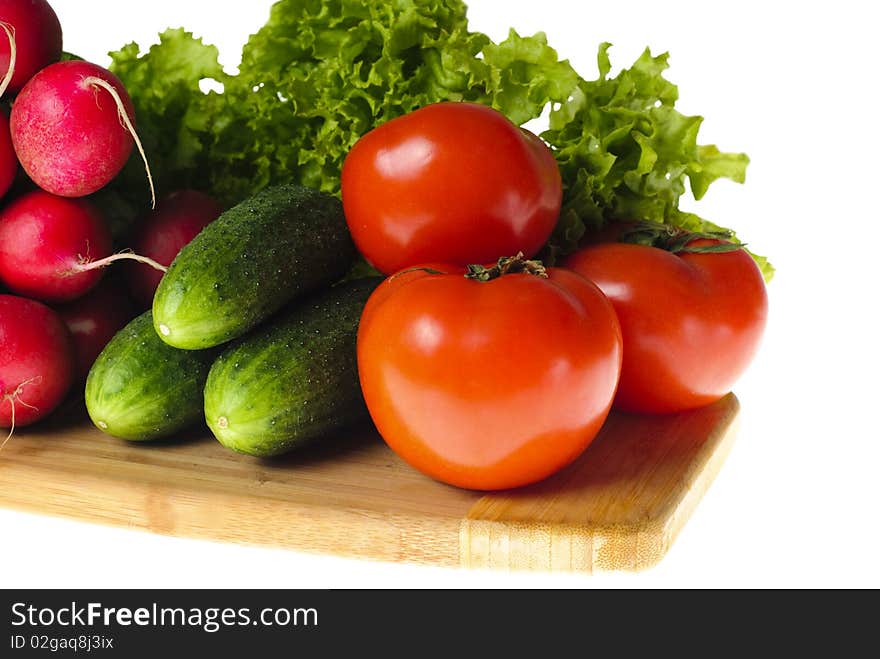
(48, 245)
(8, 161)
(73, 128)
(93, 320)
(176, 221)
(36, 361)
(29, 41)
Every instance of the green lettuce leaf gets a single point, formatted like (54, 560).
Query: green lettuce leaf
(626, 153)
(319, 75)
(174, 116)
(525, 75)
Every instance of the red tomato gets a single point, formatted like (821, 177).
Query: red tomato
(691, 322)
(451, 182)
(488, 385)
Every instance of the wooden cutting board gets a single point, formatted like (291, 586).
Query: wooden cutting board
(619, 507)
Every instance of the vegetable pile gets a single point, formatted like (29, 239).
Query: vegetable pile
(68, 133)
(318, 76)
(52, 241)
(529, 283)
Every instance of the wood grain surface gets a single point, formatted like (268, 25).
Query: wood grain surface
(618, 507)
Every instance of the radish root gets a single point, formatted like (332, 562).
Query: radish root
(10, 34)
(15, 398)
(85, 264)
(126, 121)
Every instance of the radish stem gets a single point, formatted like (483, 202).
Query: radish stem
(13, 398)
(10, 71)
(126, 121)
(85, 265)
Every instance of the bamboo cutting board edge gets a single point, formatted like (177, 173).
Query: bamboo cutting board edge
(368, 504)
(491, 538)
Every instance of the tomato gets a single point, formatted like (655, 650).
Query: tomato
(488, 384)
(450, 182)
(691, 322)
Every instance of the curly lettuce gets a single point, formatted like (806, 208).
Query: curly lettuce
(174, 117)
(319, 75)
(626, 153)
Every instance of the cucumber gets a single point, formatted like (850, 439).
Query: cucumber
(140, 389)
(293, 380)
(243, 267)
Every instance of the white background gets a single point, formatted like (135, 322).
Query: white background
(791, 84)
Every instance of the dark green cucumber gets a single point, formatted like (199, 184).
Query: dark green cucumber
(140, 388)
(295, 379)
(246, 265)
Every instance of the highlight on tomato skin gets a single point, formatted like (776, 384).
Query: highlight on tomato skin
(488, 385)
(450, 182)
(692, 322)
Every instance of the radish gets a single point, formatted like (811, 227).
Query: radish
(48, 244)
(93, 320)
(8, 161)
(29, 41)
(73, 128)
(36, 361)
(176, 221)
